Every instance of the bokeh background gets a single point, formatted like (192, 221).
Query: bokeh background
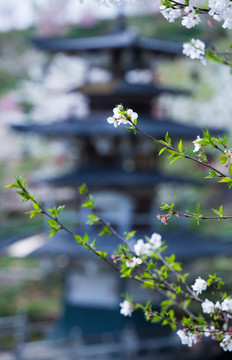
(54, 102)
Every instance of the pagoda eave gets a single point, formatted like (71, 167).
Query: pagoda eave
(113, 177)
(119, 41)
(96, 125)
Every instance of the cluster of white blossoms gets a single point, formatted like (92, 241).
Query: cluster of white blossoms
(195, 49)
(209, 307)
(226, 343)
(147, 248)
(187, 338)
(126, 308)
(199, 285)
(220, 10)
(122, 117)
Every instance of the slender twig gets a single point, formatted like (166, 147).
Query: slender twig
(169, 147)
(62, 227)
(201, 217)
(201, 10)
(195, 297)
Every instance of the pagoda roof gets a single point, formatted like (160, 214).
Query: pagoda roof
(185, 245)
(112, 93)
(96, 124)
(117, 41)
(99, 176)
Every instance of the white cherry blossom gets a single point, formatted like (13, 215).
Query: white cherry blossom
(195, 50)
(196, 144)
(126, 308)
(155, 241)
(199, 285)
(226, 343)
(208, 307)
(132, 115)
(226, 305)
(187, 338)
(141, 248)
(131, 263)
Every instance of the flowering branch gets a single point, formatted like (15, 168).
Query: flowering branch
(196, 216)
(122, 116)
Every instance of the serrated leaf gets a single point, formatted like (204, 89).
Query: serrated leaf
(180, 146)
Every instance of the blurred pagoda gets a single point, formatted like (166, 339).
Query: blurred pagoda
(119, 168)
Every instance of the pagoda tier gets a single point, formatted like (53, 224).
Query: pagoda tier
(125, 49)
(63, 244)
(135, 96)
(113, 177)
(126, 39)
(96, 124)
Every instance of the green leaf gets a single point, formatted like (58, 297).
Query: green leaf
(129, 235)
(102, 254)
(32, 213)
(93, 244)
(198, 209)
(52, 232)
(93, 219)
(180, 146)
(161, 151)
(13, 186)
(85, 238)
(177, 267)
(148, 284)
(52, 223)
(150, 265)
(212, 174)
(225, 180)
(168, 139)
(105, 231)
(126, 273)
(60, 209)
(83, 189)
(78, 238)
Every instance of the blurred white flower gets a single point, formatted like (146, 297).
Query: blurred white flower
(16, 15)
(133, 262)
(208, 307)
(199, 285)
(126, 308)
(66, 73)
(187, 338)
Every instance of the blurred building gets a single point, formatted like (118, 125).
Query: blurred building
(122, 172)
